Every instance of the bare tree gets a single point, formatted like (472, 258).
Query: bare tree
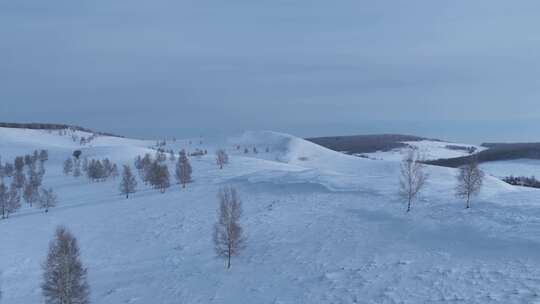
(77, 168)
(114, 171)
(228, 234)
(64, 277)
(31, 193)
(183, 169)
(68, 166)
(469, 181)
(128, 184)
(47, 199)
(158, 176)
(3, 200)
(9, 200)
(19, 179)
(14, 200)
(221, 158)
(412, 178)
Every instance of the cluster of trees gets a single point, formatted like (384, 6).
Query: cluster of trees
(522, 181)
(413, 179)
(25, 179)
(100, 170)
(96, 170)
(155, 172)
(468, 149)
(254, 149)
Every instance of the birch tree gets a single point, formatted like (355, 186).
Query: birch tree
(64, 277)
(183, 169)
(221, 158)
(47, 199)
(469, 181)
(128, 185)
(228, 234)
(412, 177)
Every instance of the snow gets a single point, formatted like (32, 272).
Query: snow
(518, 167)
(429, 149)
(322, 227)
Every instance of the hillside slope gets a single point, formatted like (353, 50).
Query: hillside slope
(322, 227)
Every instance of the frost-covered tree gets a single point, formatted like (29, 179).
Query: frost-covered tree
(64, 276)
(161, 178)
(77, 168)
(2, 170)
(128, 184)
(30, 193)
(221, 158)
(138, 163)
(14, 200)
(469, 181)
(28, 160)
(412, 177)
(108, 166)
(18, 176)
(68, 166)
(114, 171)
(160, 156)
(3, 200)
(8, 169)
(43, 155)
(183, 169)
(145, 166)
(31, 187)
(47, 199)
(172, 156)
(85, 165)
(19, 163)
(228, 234)
(96, 171)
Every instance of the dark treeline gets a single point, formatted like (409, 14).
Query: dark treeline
(364, 143)
(494, 153)
(522, 181)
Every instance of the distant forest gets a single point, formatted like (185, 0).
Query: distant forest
(495, 151)
(364, 143)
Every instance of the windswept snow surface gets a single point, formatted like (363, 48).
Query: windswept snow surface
(322, 227)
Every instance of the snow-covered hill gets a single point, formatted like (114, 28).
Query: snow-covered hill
(322, 227)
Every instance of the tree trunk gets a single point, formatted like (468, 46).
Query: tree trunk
(409, 205)
(229, 259)
(468, 200)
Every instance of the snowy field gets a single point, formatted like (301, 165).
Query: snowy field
(428, 149)
(518, 167)
(322, 227)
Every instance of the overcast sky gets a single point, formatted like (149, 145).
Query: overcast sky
(463, 70)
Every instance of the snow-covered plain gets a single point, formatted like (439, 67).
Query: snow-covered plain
(322, 227)
(428, 149)
(517, 167)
